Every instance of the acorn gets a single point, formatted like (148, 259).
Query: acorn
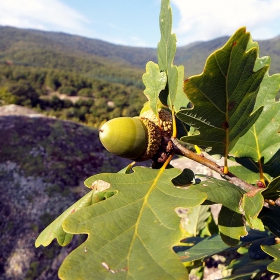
(136, 138)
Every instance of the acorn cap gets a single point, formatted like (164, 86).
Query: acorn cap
(154, 139)
(163, 120)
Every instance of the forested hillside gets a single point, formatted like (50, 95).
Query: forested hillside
(88, 80)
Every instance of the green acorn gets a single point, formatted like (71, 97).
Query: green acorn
(136, 138)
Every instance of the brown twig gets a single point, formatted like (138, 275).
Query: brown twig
(181, 150)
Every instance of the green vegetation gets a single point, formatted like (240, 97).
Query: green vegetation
(87, 80)
(96, 100)
(52, 76)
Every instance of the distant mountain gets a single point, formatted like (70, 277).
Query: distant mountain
(192, 56)
(15, 39)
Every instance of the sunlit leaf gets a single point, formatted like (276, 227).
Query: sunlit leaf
(181, 100)
(273, 251)
(221, 192)
(166, 53)
(167, 43)
(55, 230)
(252, 203)
(231, 222)
(132, 232)
(224, 96)
(155, 82)
(194, 219)
(262, 141)
(249, 170)
(231, 225)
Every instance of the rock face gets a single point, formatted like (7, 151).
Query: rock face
(43, 163)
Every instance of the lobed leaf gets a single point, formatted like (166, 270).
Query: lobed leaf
(155, 82)
(166, 53)
(261, 144)
(241, 205)
(131, 233)
(167, 43)
(55, 230)
(224, 96)
(262, 141)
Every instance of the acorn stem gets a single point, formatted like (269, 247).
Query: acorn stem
(174, 126)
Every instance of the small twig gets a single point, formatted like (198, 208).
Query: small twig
(179, 149)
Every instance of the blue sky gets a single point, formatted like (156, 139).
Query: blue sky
(135, 22)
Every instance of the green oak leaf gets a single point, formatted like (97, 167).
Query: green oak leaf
(131, 233)
(273, 190)
(194, 219)
(249, 170)
(167, 43)
(243, 268)
(273, 251)
(166, 53)
(262, 141)
(155, 82)
(231, 225)
(212, 245)
(224, 96)
(55, 230)
(230, 220)
(252, 204)
(241, 205)
(206, 247)
(181, 99)
(264, 135)
(264, 138)
(271, 218)
(219, 192)
(255, 251)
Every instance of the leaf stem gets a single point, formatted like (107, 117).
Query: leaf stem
(174, 127)
(179, 149)
(261, 172)
(226, 171)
